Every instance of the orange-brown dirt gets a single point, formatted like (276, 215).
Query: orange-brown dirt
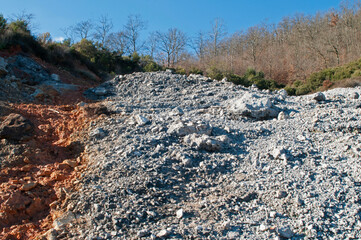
(33, 193)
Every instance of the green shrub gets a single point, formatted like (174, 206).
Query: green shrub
(238, 80)
(290, 90)
(180, 70)
(151, 67)
(214, 73)
(19, 26)
(357, 73)
(304, 89)
(195, 70)
(2, 23)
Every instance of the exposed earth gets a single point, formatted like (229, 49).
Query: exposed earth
(166, 156)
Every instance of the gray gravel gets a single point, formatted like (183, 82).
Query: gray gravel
(189, 157)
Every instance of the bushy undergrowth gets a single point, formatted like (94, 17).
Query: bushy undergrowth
(95, 57)
(249, 78)
(326, 79)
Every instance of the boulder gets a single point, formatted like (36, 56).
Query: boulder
(319, 97)
(205, 142)
(16, 127)
(254, 106)
(55, 77)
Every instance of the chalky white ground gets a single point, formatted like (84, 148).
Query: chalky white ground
(187, 157)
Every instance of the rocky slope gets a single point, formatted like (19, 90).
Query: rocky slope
(192, 158)
(41, 129)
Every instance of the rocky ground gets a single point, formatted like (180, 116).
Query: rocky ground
(41, 148)
(191, 158)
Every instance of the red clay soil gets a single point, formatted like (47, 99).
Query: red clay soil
(34, 193)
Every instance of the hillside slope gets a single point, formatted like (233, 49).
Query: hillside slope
(189, 157)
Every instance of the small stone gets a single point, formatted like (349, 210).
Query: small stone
(286, 232)
(176, 111)
(355, 95)
(143, 233)
(273, 214)
(282, 116)
(233, 235)
(71, 163)
(55, 77)
(66, 218)
(319, 97)
(29, 186)
(100, 91)
(299, 201)
(163, 233)
(98, 133)
(180, 213)
(277, 152)
(140, 120)
(281, 194)
(263, 227)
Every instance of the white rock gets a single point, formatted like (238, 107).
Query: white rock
(273, 214)
(282, 116)
(263, 227)
(163, 233)
(180, 213)
(55, 77)
(205, 142)
(319, 97)
(286, 232)
(100, 91)
(141, 120)
(143, 233)
(66, 218)
(182, 129)
(254, 106)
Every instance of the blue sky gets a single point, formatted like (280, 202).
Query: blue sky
(189, 16)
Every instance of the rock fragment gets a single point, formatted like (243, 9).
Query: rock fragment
(182, 129)
(254, 106)
(286, 232)
(28, 186)
(16, 127)
(163, 233)
(65, 219)
(205, 142)
(180, 213)
(319, 97)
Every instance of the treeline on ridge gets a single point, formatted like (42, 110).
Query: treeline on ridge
(302, 53)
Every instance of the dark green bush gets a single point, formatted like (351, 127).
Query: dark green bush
(215, 73)
(290, 90)
(195, 70)
(151, 67)
(2, 23)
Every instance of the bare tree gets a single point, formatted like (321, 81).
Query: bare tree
(218, 31)
(69, 33)
(82, 29)
(103, 29)
(199, 45)
(152, 44)
(132, 30)
(117, 42)
(172, 43)
(25, 17)
(254, 37)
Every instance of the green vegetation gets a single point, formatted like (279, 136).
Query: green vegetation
(249, 78)
(98, 59)
(325, 79)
